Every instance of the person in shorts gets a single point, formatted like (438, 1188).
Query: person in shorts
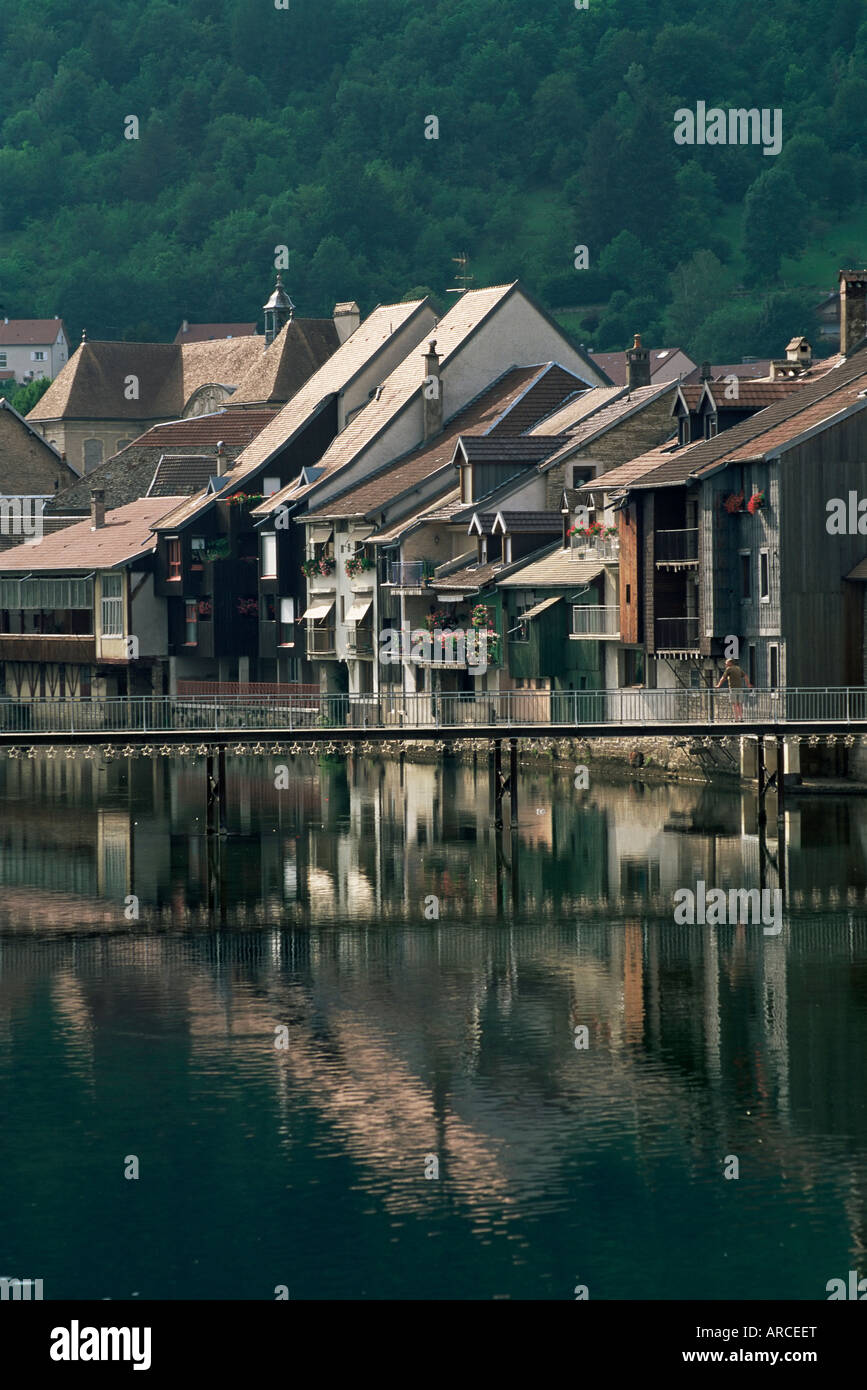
(735, 679)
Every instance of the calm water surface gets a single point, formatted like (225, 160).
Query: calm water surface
(411, 1036)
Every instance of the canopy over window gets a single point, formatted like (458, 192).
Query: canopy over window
(540, 607)
(358, 610)
(319, 610)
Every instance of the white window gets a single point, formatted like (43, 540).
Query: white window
(37, 356)
(112, 605)
(2, 359)
(270, 486)
(286, 636)
(269, 556)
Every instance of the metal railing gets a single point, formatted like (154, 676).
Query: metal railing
(595, 620)
(359, 641)
(677, 634)
(321, 641)
(596, 548)
(629, 706)
(671, 546)
(408, 574)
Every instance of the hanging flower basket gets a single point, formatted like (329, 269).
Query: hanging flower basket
(323, 564)
(734, 503)
(358, 564)
(248, 607)
(756, 502)
(245, 499)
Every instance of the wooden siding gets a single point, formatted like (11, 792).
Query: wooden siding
(630, 579)
(813, 564)
(649, 574)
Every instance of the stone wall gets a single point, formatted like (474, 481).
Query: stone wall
(624, 441)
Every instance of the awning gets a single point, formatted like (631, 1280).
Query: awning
(320, 534)
(319, 610)
(358, 610)
(540, 607)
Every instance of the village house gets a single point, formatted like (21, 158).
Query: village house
(386, 548)
(32, 348)
(724, 545)
(31, 472)
(472, 346)
(109, 393)
(244, 583)
(79, 614)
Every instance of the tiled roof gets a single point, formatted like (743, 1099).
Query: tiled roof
(561, 421)
(205, 332)
(396, 529)
(233, 427)
(666, 364)
(533, 522)
(485, 413)
(817, 400)
(30, 332)
(331, 378)
(301, 347)
(126, 534)
(627, 473)
(466, 579)
(610, 415)
(752, 395)
(92, 384)
(555, 570)
(526, 448)
(549, 387)
(691, 393)
(405, 382)
(179, 474)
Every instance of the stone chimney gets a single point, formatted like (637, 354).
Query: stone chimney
(704, 373)
(853, 308)
(432, 392)
(97, 508)
(347, 318)
(637, 365)
(221, 458)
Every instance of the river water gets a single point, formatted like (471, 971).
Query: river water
(342, 1056)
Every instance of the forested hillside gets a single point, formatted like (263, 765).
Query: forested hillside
(305, 126)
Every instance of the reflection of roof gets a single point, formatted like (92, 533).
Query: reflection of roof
(126, 534)
(557, 570)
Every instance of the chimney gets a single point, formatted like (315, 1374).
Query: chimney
(704, 372)
(800, 351)
(97, 508)
(347, 318)
(432, 392)
(221, 458)
(853, 308)
(637, 365)
(185, 327)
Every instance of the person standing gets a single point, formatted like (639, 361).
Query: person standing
(735, 679)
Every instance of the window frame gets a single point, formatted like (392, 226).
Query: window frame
(764, 575)
(174, 559)
(269, 549)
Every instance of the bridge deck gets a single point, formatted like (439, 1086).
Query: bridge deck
(387, 718)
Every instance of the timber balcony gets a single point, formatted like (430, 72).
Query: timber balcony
(676, 635)
(407, 574)
(595, 620)
(39, 646)
(676, 549)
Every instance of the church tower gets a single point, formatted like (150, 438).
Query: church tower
(278, 311)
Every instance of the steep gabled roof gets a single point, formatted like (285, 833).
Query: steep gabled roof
(301, 347)
(612, 414)
(127, 533)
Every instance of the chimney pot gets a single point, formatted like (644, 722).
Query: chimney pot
(97, 508)
(637, 365)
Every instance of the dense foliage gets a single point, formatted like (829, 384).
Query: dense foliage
(305, 126)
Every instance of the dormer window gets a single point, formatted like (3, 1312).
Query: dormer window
(711, 426)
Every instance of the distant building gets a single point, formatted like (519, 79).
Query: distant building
(32, 348)
(666, 364)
